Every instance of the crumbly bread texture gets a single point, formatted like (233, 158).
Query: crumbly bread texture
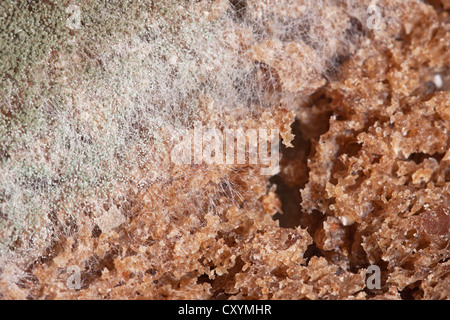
(364, 117)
